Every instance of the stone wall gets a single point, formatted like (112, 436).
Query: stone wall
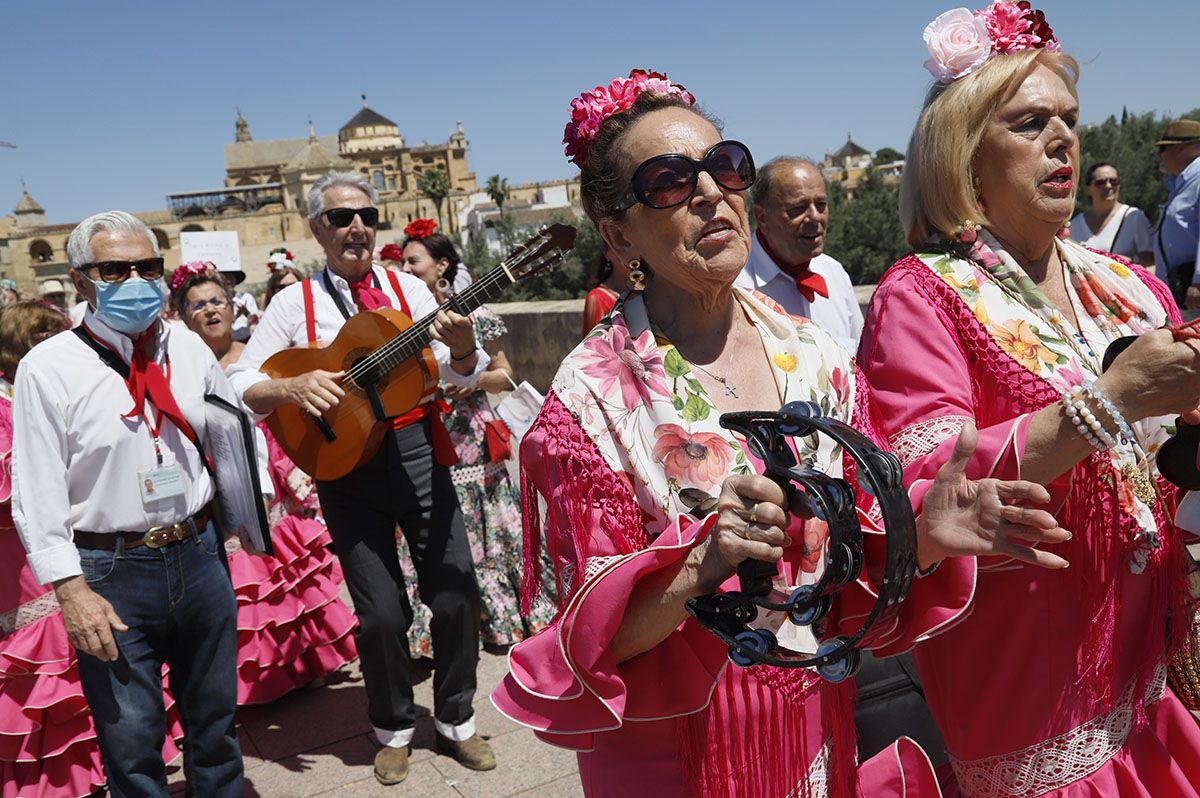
(540, 334)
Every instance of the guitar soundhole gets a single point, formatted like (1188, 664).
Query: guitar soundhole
(359, 375)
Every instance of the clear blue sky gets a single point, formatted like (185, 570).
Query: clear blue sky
(115, 104)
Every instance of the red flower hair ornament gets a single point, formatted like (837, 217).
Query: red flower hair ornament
(392, 253)
(590, 109)
(420, 228)
(190, 269)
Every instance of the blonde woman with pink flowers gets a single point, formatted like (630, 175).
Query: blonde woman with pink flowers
(1053, 684)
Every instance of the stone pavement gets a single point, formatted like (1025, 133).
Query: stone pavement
(318, 741)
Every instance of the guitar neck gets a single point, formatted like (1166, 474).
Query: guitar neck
(417, 337)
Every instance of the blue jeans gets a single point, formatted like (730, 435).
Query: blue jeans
(179, 606)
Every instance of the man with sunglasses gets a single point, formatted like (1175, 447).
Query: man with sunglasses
(787, 262)
(111, 496)
(406, 484)
(1177, 241)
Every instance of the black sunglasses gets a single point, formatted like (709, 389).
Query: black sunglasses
(1107, 181)
(344, 217)
(117, 271)
(665, 181)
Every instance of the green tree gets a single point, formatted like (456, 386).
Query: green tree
(497, 189)
(864, 230)
(888, 155)
(434, 184)
(568, 280)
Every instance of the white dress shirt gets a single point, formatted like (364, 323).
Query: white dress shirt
(838, 314)
(282, 326)
(76, 460)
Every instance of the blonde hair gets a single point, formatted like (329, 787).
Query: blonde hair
(937, 191)
(23, 325)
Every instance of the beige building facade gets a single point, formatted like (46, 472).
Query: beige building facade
(263, 197)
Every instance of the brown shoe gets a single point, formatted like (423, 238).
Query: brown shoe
(391, 765)
(473, 753)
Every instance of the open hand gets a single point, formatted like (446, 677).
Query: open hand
(964, 517)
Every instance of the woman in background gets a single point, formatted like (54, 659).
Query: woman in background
(490, 503)
(1109, 225)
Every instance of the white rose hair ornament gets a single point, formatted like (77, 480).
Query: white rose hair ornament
(960, 41)
(280, 258)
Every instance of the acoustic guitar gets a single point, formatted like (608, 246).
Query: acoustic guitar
(389, 367)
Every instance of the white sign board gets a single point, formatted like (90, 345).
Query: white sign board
(221, 248)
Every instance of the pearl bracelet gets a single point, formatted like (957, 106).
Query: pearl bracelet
(1125, 431)
(1085, 420)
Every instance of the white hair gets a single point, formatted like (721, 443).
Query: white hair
(316, 194)
(79, 244)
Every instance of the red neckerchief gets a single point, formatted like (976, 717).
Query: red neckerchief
(366, 295)
(146, 378)
(808, 282)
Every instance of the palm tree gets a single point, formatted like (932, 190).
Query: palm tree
(497, 189)
(435, 185)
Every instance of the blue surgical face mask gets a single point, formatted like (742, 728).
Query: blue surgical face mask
(130, 306)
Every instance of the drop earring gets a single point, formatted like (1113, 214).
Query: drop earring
(967, 233)
(637, 277)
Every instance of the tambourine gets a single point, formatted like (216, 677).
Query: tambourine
(831, 499)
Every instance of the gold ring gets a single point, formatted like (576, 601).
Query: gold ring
(753, 515)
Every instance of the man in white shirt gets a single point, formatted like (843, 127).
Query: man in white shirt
(111, 498)
(407, 483)
(786, 259)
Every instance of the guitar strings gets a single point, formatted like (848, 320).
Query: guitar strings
(402, 342)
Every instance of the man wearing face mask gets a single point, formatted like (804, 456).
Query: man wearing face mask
(407, 483)
(787, 262)
(111, 499)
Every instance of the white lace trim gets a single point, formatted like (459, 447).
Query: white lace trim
(1059, 761)
(595, 565)
(29, 612)
(465, 475)
(817, 777)
(918, 440)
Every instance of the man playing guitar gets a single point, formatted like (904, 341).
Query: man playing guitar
(407, 482)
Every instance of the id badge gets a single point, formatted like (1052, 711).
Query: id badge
(162, 482)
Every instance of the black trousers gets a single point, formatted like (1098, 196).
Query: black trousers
(405, 485)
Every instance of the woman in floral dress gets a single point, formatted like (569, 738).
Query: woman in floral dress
(491, 505)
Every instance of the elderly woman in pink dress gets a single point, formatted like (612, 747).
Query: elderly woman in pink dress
(628, 445)
(1053, 684)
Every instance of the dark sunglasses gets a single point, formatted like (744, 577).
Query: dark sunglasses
(665, 181)
(117, 271)
(344, 217)
(1107, 181)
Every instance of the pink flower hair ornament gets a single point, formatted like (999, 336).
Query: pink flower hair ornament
(189, 269)
(960, 41)
(590, 109)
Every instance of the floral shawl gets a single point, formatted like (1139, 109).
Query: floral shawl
(653, 422)
(1024, 327)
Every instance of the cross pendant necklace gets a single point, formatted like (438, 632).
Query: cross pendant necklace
(730, 390)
